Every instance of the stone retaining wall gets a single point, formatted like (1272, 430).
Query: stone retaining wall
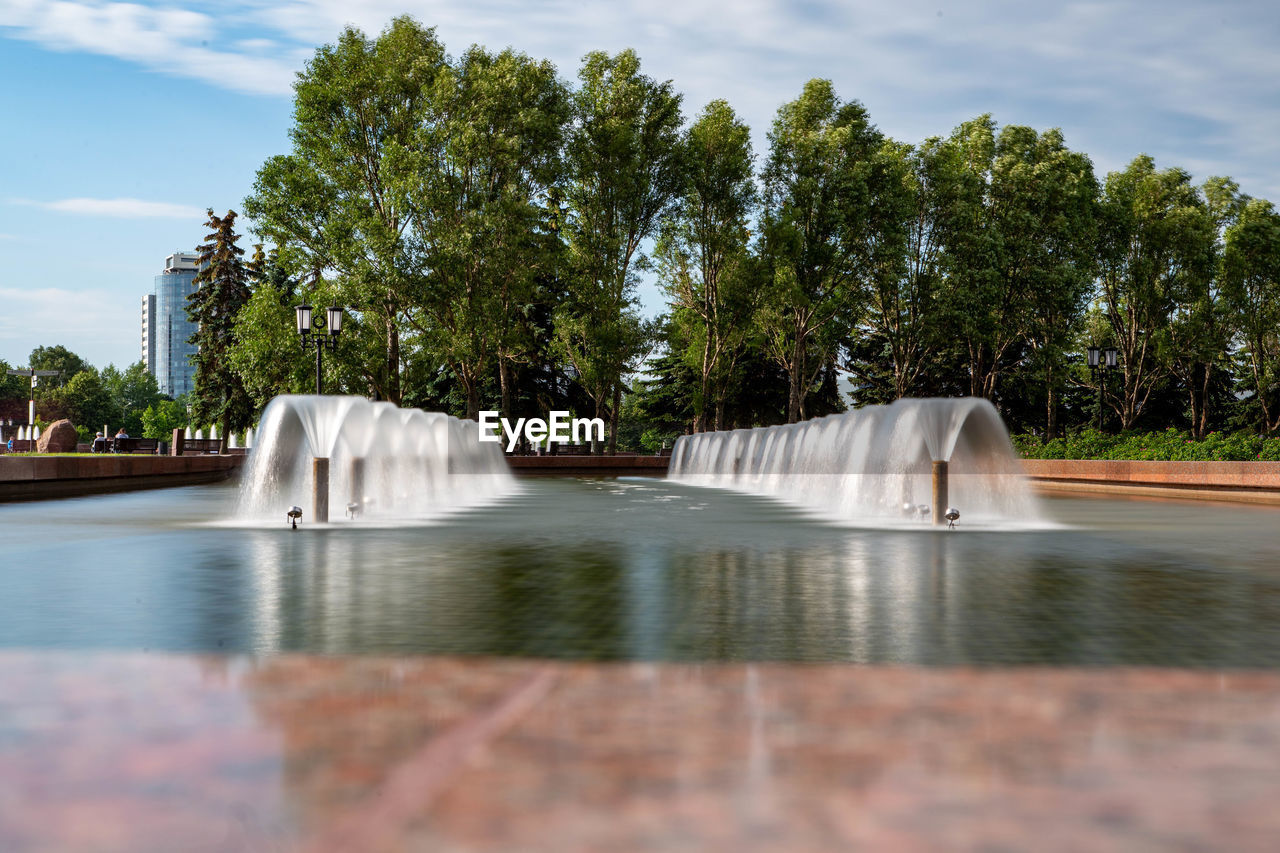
(1250, 482)
(39, 477)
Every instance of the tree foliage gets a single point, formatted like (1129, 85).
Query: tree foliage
(624, 168)
(487, 223)
(221, 291)
(831, 226)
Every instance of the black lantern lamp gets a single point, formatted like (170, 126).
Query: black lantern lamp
(311, 331)
(1102, 362)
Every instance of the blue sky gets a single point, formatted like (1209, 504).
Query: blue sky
(121, 122)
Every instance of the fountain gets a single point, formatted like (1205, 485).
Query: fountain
(378, 461)
(877, 465)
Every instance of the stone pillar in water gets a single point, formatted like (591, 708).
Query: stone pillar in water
(939, 492)
(357, 481)
(320, 490)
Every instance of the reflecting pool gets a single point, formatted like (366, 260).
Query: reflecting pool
(648, 570)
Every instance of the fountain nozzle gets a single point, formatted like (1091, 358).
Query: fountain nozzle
(353, 509)
(952, 516)
(294, 513)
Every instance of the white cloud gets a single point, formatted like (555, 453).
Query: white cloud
(1112, 73)
(126, 208)
(169, 40)
(87, 322)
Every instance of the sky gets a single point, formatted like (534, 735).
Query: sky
(120, 123)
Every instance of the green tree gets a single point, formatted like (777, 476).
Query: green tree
(12, 389)
(265, 353)
(1155, 247)
(1200, 331)
(831, 226)
(56, 358)
(221, 290)
(86, 401)
(266, 269)
(161, 418)
(488, 153)
(132, 391)
(338, 200)
(624, 169)
(1251, 290)
(1044, 200)
(899, 334)
(702, 254)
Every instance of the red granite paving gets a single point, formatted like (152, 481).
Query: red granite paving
(138, 752)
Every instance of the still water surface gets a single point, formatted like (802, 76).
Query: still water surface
(648, 570)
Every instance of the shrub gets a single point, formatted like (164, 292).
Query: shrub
(1171, 445)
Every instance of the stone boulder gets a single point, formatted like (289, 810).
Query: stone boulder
(58, 437)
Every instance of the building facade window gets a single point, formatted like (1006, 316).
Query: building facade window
(168, 335)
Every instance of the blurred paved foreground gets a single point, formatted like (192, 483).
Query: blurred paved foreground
(140, 752)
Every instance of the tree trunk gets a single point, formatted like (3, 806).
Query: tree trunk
(1193, 393)
(472, 388)
(393, 360)
(700, 415)
(599, 401)
(504, 380)
(613, 417)
(1200, 424)
(795, 378)
(1051, 413)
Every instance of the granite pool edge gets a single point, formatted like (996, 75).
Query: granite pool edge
(25, 478)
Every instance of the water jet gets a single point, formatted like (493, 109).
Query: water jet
(874, 466)
(392, 463)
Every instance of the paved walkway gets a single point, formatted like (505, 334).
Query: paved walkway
(139, 752)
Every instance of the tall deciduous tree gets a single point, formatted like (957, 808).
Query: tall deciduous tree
(337, 201)
(56, 358)
(132, 390)
(1251, 287)
(1155, 249)
(625, 166)
(702, 254)
(1044, 198)
(221, 290)
(1199, 332)
(831, 227)
(475, 179)
(899, 334)
(86, 401)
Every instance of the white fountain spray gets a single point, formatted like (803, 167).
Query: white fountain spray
(906, 463)
(368, 460)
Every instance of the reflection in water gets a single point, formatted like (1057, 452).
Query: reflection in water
(646, 570)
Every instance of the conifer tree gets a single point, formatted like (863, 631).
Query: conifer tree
(222, 289)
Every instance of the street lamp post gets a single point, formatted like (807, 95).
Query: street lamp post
(34, 375)
(1102, 362)
(313, 333)
(319, 335)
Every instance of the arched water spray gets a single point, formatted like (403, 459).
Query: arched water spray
(381, 461)
(878, 465)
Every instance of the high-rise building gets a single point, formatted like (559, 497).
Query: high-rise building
(166, 331)
(148, 333)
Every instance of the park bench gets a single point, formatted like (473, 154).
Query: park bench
(571, 449)
(22, 445)
(149, 446)
(200, 445)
